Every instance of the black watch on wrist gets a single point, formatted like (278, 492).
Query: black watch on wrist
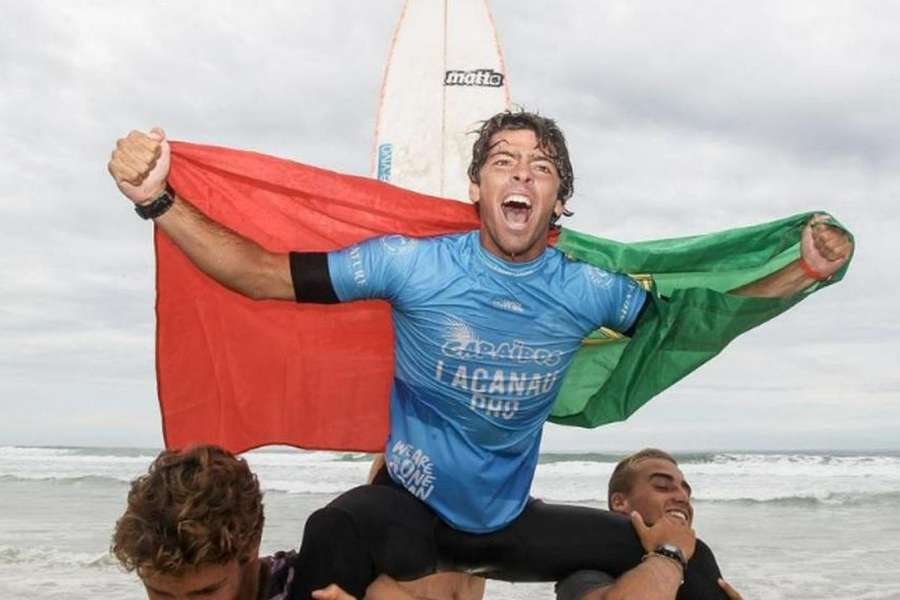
(674, 552)
(157, 206)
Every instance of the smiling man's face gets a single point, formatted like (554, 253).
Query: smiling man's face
(658, 487)
(516, 196)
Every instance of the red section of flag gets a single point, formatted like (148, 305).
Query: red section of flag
(242, 374)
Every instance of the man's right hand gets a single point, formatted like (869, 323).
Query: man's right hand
(668, 529)
(140, 165)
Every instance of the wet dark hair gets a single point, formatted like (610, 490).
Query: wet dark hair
(550, 139)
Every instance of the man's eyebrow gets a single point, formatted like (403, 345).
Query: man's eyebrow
(670, 479)
(502, 151)
(532, 157)
(493, 146)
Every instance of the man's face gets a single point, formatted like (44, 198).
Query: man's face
(206, 582)
(658, 488)
(517, 196)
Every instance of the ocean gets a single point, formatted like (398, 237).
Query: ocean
(783, 525)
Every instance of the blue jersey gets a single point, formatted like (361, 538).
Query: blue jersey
(481, 348)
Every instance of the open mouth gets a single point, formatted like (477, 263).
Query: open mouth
(516, 210)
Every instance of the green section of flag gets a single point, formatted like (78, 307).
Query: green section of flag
(612, 377)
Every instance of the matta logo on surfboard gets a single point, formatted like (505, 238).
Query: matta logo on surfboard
(481, 77)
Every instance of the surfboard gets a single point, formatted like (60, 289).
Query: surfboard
(444, 75)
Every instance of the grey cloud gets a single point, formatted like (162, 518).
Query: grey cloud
(676, 126)
(812, 80)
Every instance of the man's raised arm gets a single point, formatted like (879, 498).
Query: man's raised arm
(824, 249)
(140, 166)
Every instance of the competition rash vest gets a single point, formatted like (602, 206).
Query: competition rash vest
(481, 346)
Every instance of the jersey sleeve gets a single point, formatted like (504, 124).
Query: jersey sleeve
(614, 300)
(376, 268)
(629, 301)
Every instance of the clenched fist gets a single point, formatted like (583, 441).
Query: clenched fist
(824, 247)
(140, 165)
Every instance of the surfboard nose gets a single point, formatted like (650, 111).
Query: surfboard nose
(444, 75)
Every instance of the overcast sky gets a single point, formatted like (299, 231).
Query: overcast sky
(682, 118)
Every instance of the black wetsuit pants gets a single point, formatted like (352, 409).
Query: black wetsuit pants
(381, 528)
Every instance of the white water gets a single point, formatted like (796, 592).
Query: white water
(791, 526)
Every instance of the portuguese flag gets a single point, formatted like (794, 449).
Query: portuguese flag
(243, 373)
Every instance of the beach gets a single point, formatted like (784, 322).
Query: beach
(783, 525)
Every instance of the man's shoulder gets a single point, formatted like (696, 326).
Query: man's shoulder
(576, 271)
(398, 244)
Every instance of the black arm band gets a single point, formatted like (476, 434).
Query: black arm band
(309, 274)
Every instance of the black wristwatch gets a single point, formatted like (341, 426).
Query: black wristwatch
(157, 206)
(672, 551)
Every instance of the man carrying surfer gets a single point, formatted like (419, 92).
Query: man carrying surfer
(647, 486)
(486, 324)
(192, 529)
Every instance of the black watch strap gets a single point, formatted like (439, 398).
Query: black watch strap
(672, 551)
(157, 206)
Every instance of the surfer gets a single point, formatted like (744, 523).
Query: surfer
(486, 324)
(649, 487)
(192, 529)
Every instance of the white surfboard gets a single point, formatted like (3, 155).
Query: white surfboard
(444, 75)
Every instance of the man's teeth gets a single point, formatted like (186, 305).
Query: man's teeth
(517, 200)
(679, 514)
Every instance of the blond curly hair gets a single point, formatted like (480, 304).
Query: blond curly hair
(193, 507)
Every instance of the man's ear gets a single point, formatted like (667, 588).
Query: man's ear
(619, 503)
(474, 193)
(559, 208)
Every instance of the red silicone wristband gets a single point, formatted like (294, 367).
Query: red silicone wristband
(810, 272)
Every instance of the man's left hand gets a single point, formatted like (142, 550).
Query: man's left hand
(665, 530)
(824, 247)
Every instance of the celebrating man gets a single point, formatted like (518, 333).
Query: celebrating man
(486, 325)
